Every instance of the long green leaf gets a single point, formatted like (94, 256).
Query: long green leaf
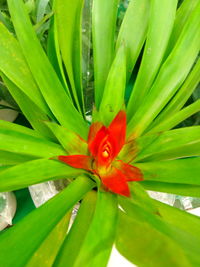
(69, 37)
(49, 248)
(177, 118)
(75, 238)
(70, 141)
(13, 141)
(171, 76)
(133, 31)
(14, 66)
(181, 97)
(32, 112)
(115, 86)
(28, 234)
(96, 248)
(183, 142)
(43, 72)
(145, 246)
(162, 15)
(104, 15)
(178, 189)
(33, 172)
(10, 158)
(183, 171)
(18, 128)
(170, 214)
(182, 16)
(187, 241)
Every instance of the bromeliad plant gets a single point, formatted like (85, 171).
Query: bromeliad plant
(142, 79)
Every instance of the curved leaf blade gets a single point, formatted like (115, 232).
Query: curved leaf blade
(161, 19)
(33, 172)
(19, 236)
(104, 15)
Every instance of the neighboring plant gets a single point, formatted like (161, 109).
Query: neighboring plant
(142, 79)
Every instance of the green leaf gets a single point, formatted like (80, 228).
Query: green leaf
(75, 238)
(180, 98)
(177, 118)
(69, 37)
(178, 189)
(32, 112)
(53, 52)
(115, 86)
(170, 214)
(182, 17)
(14, 66)
(98, 242)
(183, 142)
(33, 172)
(133, 38)
(144, 245)
(104, 15)
(172, 74)
(43, 72)
(183, 171)
(187, 241)
(18, 128)
(49, 248)
(162, 15)
(10, 158)
(31, 231)
(70, 141)
(13, 141)
(41, 6)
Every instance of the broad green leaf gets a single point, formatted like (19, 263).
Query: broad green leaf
(104, 15)
(14, 66)
(145, 246)
(188, 241)
(49, 248)
(69, 37)
(181, 97)
(10, 158)
(177, 118)
(13, 141)
(31, 231)
(43, 72)
(98, 242)
(178, 189)
(32, 112)
(33, 172)
(113, 96)
(182, 16)
(133, 31)
(170, 214)
(75, 238)
(161, 20)
(183, 171)
(70, 141)
(18, 128)
(172, 74)
(183, 142)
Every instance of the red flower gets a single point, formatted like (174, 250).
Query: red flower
(104, 144)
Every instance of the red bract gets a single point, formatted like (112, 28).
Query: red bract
(104, 144)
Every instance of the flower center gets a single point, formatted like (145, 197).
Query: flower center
(105, 154)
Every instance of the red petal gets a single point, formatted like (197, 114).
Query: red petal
(78, 161)
(117, 130)
(94, 142)
(94, 128)
(130, 172)
(115, 181)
